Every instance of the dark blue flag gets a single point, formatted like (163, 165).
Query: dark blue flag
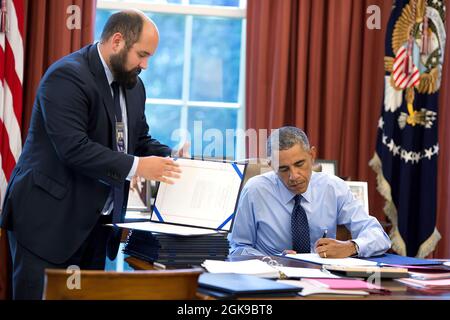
(407, 143)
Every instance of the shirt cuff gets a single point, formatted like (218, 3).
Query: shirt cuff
(361, 246)
(133, 168)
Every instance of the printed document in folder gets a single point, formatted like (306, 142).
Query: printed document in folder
(205, 195)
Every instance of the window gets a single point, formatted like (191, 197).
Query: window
(195, 81)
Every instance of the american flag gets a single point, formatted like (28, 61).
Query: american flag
(11, 75)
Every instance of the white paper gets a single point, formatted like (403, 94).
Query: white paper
(166, 228)
(315, 258)
(254, 267)
(204, 196)
(260, 268)
(291, 272)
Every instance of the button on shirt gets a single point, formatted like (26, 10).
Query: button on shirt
(123, 106)
(263, 219)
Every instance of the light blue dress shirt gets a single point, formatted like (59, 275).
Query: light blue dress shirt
(263, 220)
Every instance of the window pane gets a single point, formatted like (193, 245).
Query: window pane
(225, 3)
(209, 137)
(216, 45)
(164, 76)
(163, 120)
(100, 21)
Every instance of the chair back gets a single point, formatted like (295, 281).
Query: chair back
(106, 285)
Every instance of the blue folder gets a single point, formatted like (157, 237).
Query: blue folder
(394, 259)
(231, 285)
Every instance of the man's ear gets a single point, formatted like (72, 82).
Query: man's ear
(313, 153)
(117, 41)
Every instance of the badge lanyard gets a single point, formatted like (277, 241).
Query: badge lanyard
(120, 136)
(120, 125)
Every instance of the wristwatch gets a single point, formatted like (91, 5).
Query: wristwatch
(356, 248)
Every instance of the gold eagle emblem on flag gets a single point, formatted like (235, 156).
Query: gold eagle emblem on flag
(417, 41)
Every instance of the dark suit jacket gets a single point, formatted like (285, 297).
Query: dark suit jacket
(67, 167)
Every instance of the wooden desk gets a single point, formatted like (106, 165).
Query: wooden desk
(399, 291)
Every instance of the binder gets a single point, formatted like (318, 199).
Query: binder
(396, 260)
(231, 285)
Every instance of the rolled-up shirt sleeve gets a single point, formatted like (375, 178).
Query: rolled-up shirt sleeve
(366, 231)
(243, 236)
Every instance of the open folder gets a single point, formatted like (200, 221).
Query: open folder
(190, 219)
(202, 201)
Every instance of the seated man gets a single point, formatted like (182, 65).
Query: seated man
(295, 210)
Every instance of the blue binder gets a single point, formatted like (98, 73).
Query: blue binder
(231, 285)
(394, 259)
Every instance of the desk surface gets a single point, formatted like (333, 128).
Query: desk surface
(398, 290)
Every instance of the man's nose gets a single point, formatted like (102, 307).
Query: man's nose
(293, 175)
(144, 63)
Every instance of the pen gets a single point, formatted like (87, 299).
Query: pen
(325, 233)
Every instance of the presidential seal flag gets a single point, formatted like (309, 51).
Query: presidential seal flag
(405, 159)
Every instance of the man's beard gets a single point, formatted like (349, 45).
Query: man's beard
(128, 79)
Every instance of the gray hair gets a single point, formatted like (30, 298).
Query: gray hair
(285, 138)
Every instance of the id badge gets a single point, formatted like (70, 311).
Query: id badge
(120, 136)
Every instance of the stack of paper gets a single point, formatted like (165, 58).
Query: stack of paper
(301, 273)
(260, 268)
(309, 287)
(368, 271)
(315, 258)
(349, 284)
(442, 284)
(253, 267)
(429, 276)
(340, 286)
(176, 251)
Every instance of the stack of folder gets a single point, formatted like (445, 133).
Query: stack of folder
(431, 286)
(176, 251)
(341, 286)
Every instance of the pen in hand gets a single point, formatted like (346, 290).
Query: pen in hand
(325, 233)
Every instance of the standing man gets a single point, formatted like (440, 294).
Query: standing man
(87, 138)
(293, 209)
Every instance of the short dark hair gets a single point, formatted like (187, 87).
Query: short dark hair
(129, 24)
(285, 138)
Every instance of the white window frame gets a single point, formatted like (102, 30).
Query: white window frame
(190, 11)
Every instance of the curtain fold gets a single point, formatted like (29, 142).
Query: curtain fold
(48, 39)
(316, 65)
(443, 206)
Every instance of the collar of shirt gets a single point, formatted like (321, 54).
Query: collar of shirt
(287, 195)
(108, 72)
